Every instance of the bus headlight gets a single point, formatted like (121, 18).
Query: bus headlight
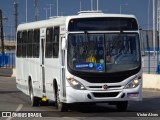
(76, 84)
(133, 84)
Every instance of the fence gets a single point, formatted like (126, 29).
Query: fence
(150, 59)
(7, 60)
(151, 62)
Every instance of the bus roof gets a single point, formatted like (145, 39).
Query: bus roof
(61, 20)
(56, 21)
(100, 14)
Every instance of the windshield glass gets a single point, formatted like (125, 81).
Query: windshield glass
(103, 52)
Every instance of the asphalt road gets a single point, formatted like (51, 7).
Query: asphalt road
(11, 99)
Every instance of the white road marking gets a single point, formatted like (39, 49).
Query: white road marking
(18, 109)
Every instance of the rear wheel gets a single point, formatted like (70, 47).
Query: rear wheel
(44, 103)
(122, 106)
(34, 101)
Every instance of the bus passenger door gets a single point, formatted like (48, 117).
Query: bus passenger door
(42, 60)
(63, 82)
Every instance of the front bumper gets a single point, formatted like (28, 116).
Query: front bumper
(74, 96)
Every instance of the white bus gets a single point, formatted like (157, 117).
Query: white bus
(87, 58)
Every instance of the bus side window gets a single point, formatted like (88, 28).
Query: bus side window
(29, 44)
(49, 37)
(56, 42)
(36, 43)
(19, 44)
(24, 41)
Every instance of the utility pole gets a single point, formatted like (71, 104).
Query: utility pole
(158, 29)
(36, 9)
(1, 32)
(121, 7)
(97, 5)
(46, 9)
(80, 7)
(26, 11)
(158, 18)
(149, 1)
(57, 7)
(91, 5)
(154, 28)
(50, 7)
(15, 17)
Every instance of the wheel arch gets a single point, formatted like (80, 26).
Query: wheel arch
(55, 86)
(29, 83)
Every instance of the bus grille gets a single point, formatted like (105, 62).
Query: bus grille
(118, 86)
(107, 94)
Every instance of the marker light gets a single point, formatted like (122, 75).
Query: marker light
(72, 21)
(76, 84)
(132, 94)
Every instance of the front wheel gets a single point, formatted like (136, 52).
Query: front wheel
(62, 107)
(122, 106)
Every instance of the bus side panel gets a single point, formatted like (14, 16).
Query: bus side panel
(34, 74)
(25, 74)
(19, 74)
(52, 71)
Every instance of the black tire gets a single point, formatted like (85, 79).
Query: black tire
(44, 103)
(122, 106)
(34, 101)
(62, 107)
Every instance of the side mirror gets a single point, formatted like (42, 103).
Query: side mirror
(63, 43)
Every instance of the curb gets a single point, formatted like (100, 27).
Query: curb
(8, 72)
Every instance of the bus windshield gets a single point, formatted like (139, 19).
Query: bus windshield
(115, 52)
